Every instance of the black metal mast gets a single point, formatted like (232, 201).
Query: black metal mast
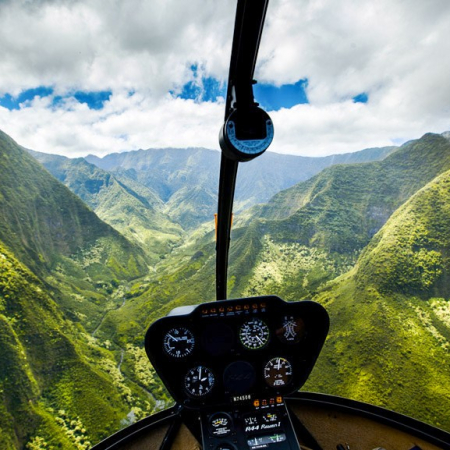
(247, 131)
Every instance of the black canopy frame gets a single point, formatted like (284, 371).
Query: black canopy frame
(250, 16)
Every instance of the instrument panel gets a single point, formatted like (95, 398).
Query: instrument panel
(232, 350)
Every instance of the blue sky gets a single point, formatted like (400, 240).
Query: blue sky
(94, 100)
(336, 76)
(269, 96)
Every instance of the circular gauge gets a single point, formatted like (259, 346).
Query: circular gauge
(199, 381)
(179, 342)
(278, 372)
(292, 330)
(254, 334)
(220, 424)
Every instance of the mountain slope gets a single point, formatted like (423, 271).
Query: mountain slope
(60, 384)
(172, 173)
(85, 263)
(131, 208)
(42, 221)
(39, 355)
(390, 328)
(337, 212)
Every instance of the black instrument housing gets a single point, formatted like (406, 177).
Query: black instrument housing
(238, 371)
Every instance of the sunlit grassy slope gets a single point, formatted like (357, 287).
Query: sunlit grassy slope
(389, 342)
(50, 371)
(60, 386)
(331, 217)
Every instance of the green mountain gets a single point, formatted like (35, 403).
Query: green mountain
(60, 239)
(390, 328)
(42, 221)
(76, 296)
(336, 213)
(389, 338)
(174, 173)
(61, 270)
(128, 206)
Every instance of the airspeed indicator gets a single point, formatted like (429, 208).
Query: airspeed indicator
(254, 334)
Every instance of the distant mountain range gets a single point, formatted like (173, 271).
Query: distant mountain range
(175, 171)
(82, 276)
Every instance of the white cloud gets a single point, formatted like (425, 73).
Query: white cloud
(395, 51)
(126, 122)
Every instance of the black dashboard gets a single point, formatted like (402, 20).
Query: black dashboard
(233, 361)
(234, 350)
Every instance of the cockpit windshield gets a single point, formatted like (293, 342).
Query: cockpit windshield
(113, 154)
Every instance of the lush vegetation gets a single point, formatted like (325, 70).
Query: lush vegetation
(60, 385)
(370, 241)
(390, 332)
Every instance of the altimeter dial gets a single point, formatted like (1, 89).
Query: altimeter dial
(254, 334)
(199, 381)
(278, 372)
(179, 342)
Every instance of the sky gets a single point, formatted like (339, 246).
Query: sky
(82, 77)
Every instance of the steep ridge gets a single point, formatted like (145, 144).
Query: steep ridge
(337, 212)
(60, 385)
(128, 206)
(383, 185)
(172, 173)
(389, 339)
(60, 239)
(42, 220)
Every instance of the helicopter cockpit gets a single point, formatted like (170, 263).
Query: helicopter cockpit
(234, 366)
(232, 362)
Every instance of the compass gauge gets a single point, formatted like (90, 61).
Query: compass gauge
(199, 381)
(254, 334)
(179, 342)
